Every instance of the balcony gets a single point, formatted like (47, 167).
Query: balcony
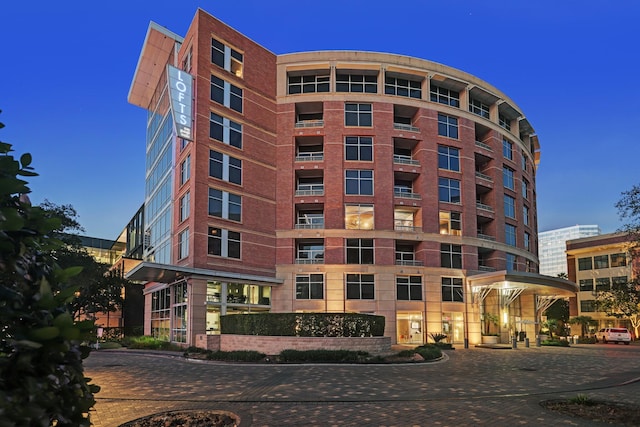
(309, 261)
(484, 207)
(403, 126)
(486, 237)
(486, 268)
(310, 124)
(408, 228)
(310, 224)
(405, 160)
(406, 193)
(483, 176)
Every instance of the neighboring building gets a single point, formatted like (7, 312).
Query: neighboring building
(552, 247)
(337, 181)
(598, 263)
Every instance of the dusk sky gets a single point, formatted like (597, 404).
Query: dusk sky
(571, 67)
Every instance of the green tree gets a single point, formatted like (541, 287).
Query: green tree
(622, 302)
(42, 380)
(584, 322)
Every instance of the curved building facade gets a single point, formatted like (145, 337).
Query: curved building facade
(342, 181)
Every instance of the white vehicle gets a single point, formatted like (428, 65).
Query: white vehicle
(615, 335)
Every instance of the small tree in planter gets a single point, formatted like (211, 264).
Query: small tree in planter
(490, 319)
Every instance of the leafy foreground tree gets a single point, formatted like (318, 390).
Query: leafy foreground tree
(584, 322)
(42, 380)
(622, 302)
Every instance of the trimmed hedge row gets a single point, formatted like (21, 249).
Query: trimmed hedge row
(304, 324)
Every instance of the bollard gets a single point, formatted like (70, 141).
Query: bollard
(538, 343)
(514, 342)
(526, 342)
(466, 343)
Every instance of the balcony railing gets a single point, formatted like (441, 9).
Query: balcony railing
(310, 157)
(486, 237)
(309, 261)
(402, 126)
(406, 194)
(409, 262)
(310, 124)
(310, 225)
(310, 190)
(404, 160)
(485, 268)
(483, 145)
(484, 207)
(409, 228)
(483, 176)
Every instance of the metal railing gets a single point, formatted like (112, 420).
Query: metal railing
(402, 126)
(483, 176)
(310, 157)
(310, 124)
(484, 207)
(406, 194)
(486, 237)
(409, 262)
(409, 228)
(310, 190)
(404, 160)
(483, 145)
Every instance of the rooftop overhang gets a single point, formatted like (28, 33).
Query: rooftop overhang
(530, 282)
(165, 273)
(158, 45)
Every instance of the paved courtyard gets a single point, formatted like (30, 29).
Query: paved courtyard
(469, 387)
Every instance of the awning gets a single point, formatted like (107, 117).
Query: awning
(165, 273)
(531, 282)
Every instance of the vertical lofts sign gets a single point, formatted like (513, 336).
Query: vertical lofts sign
(181, 93)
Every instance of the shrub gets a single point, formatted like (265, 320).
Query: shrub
(323, 356)
(236, 356)
(437, 337)
(151, 343)
(42, 379)
(429, 351)
(304, 324)
(555, 343)
(582, 399)
(587, 340)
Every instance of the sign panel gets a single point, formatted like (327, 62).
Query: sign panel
(181, 94)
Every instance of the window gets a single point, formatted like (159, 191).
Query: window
(185, 169)
(619, 282)
(224, 243)
(308, 84)
(445, 96)
(509, 207)
(186, 61)
(523, 158)
(402, 87)
(448, 190)
(504, 122)
(358, 115)
(225, 205)
(527, 241)
(225, 167)
(479, 108)
(184, 206)
(586, 285)
(309, 286)
(584, 264)
(525, 189)
(359, 182)
(450, 256)
(601, 261)
(360, 286)
(510, 234)
(224, 93)
(525, 215)
(405, 254)
(507, 178)
(358, 217)
(448, 158)
(356, 83)
(450, 223)
(310, 219)
(310, 252)
(511, 261)
(447, 126)
(603, 284)
(358, 148)
(588, 305)
(618, 260)
(183, 244)
(161, 314)
(226, 58)
(409, 288)
(507, 149)
(452, 289)
(225, 130)
(359, 251)
(403, 219)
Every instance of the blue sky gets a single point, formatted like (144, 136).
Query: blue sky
(571, 66)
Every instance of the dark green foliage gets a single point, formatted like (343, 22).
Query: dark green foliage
(41, 373)
(150, 343)
(323, 356)
(429, 351)
(236, 356)
(587, 340)
(437, 337)
(555, 343)
(304, 324)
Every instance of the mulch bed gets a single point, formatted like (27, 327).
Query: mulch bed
(609, 412)
(187, 419)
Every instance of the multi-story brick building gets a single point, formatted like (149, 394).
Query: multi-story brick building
(333, 181)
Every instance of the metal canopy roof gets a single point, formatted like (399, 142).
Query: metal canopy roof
(537, 283)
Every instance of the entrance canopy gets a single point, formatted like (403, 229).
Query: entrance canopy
(165, 273)
(529, 282)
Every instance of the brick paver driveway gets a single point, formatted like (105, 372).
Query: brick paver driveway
(470, 387)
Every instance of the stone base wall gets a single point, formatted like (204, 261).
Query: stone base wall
(274, 345)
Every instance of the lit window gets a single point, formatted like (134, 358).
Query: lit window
(450, 223)
(227, 58)
(358, 217)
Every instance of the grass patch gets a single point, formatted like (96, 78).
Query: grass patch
(150, 343)
(109, 345)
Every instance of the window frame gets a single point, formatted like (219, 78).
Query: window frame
(359, 181)
(358, 148)
(449, 285)
(362, 112)
(448, 126)
(453, 193)
(364, 284)
(314, 287)
(452, 254)
(448, 158)
(409, 287)
(359, 251)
